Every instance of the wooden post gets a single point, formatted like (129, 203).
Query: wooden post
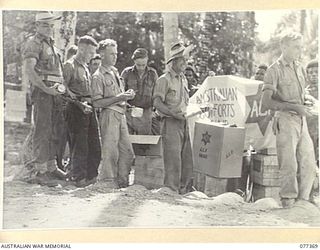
(65, 29)
(170, 31)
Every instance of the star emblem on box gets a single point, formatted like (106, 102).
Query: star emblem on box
(206, 138)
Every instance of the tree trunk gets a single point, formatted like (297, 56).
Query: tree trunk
(303, 16)
(64, 33)
(170, 31)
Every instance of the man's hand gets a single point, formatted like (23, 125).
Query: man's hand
(51, 91)
(86, 108)
(309, 100)
(71, 94)
(178, 114)
(128, 95)
(302, 110)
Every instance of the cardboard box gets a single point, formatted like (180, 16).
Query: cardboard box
(218, 149)
(146, 145)
(265, 170)
(149, 171)
(241, 105)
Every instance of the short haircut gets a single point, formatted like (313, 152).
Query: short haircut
(263, 66)
(106, 43)
(290, 36)
(88, 40)
(96, 57)
(313, 64)
(72, 50)
(139, 53)
(190, 68)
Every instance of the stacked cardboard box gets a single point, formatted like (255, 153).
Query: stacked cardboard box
(217, 153)
(149, 171)
(148, 167)
(265, 175)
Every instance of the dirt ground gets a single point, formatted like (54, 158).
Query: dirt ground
(29, 206)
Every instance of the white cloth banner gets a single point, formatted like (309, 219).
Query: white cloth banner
(235, 100)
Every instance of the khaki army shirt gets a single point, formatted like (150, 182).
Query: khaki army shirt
(77, 77)
(107, 83)
(42, 49)
(172, 88)
(287, 81)
(143, 86)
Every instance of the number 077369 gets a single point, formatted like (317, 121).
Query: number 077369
(311, 246)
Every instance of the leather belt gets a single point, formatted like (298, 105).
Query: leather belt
(291, 112)
(51, 78)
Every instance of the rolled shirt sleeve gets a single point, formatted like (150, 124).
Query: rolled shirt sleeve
(270, 80)
(155, 76)
(31, 49)
(124, 76)
(67, 73)
(160, 89)
(97, 87)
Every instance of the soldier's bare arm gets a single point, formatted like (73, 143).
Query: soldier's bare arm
(108, 101)
(269, 103)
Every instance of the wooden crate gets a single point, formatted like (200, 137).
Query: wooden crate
(267, 151)
(215, 186)
(260, 192)
(265, 160)
(149, 171)
(211, 186)
(265, 181)
(265, 170)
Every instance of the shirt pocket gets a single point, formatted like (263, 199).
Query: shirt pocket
(149, 81)
(82, 76)
(172, 96)
(48, 59)
(287, 89)
(147, 90)
(111, 89)
(132, 84)
(44, 58)
(147, 96)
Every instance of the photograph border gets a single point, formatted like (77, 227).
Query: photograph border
(103, 235)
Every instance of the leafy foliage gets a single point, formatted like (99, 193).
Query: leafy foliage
(131, 30)
(305, 22)
(17, 25)
(225, 41)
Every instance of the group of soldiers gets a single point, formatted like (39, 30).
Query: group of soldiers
(67, 99)
(85, 103)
